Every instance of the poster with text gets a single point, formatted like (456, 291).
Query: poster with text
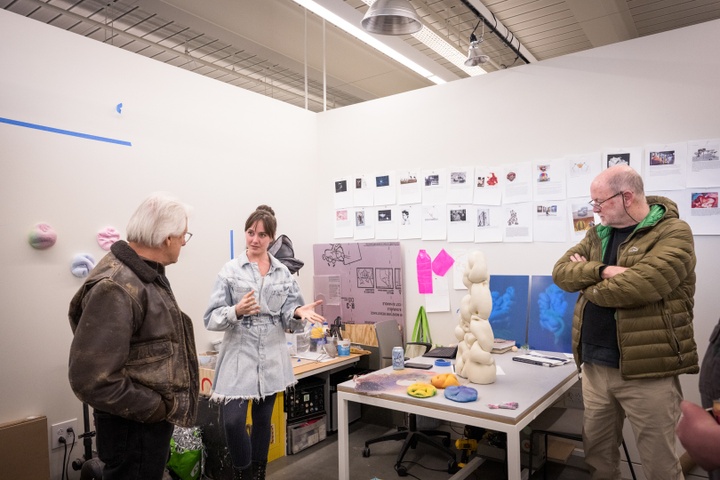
(364, 281)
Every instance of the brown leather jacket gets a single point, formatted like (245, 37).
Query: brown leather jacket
(133, 353)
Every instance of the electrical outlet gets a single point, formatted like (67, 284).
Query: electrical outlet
(60, 430)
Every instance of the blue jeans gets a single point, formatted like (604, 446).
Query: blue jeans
(131, 450)
(246, 448)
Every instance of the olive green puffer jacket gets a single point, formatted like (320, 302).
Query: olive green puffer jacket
(653, 299)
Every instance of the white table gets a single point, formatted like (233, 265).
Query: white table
(534, 387)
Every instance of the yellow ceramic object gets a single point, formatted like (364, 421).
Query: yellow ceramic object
(421, 390)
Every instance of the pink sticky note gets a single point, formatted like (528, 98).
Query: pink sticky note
(442, 263)
(424, 272)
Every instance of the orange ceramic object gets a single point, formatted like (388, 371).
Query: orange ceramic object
(444, 380)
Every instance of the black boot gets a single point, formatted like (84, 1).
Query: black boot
(258, 470)
(242, 474)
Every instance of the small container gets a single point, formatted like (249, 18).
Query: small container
(398, 358)
(343, 348)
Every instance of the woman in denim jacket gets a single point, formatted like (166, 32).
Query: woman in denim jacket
(254, 301)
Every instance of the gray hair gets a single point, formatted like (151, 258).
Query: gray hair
(158, 217)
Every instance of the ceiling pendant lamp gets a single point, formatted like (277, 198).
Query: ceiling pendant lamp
(391, 17)
(475, 55)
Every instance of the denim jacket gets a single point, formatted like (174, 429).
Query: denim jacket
(254, 361)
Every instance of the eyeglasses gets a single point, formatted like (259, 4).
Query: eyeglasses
(598, 205)
(187, 237)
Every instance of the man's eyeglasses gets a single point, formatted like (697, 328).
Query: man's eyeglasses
(187, 237)
(595, 204)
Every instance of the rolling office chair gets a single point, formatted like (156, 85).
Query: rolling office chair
(560, 422)
(389, 336)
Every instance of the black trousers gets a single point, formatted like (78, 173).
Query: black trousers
(248, 447)
(132, 450)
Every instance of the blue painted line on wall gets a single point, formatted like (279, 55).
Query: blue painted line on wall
(86, 136)
(232, 245)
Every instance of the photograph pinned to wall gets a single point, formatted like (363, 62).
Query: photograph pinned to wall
(410, 225)
(460, 223)
(550, 221)
(549, 179)
(580, 170)
(385, 193)
(510, 306)
(434, 186)
(620, 156)
(703, 169)
(364, 191)
(364, 223)
(518, 221)
(386, 227)
(344, 222)
(408, 187)
(489, 225)
(664, 166)
(487, 187)
(582, 219)
(343, 192)
(460, 185)
(434, 222)
(517, 182)
(698, 207)
(551, 313)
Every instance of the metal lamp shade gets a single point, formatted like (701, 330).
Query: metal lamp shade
(475, 55)
(391, 17)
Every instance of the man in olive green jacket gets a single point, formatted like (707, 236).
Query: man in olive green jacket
(632, 325)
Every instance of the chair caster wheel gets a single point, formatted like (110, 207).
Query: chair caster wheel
(453, 466)
(366, 452)
(401, 470)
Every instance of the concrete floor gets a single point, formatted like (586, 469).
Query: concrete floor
(319, 462)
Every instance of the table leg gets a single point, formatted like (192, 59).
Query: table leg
(343, 438)
(513, 455)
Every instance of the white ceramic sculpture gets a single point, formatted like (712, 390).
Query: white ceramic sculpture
(474, 332)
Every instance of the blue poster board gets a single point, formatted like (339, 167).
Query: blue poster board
(551, 311)
(510, 307)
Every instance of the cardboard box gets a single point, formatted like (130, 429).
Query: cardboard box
(207, 361)
(207, 375)
(24, 454)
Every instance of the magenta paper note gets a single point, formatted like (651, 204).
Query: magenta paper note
(424, 272)
(442, 263)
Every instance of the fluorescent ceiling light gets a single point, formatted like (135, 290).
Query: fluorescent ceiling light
(363, 36)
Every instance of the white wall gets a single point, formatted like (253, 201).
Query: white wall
(225, 150)
(657, 89)
(219, 148)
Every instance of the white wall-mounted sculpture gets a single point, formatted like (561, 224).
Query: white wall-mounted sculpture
(474, 332)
